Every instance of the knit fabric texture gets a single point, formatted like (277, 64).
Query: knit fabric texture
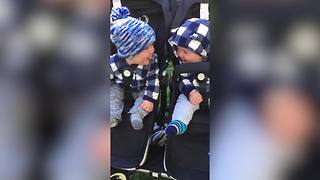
(129, 35)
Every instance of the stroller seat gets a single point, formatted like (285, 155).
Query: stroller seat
(187, 155)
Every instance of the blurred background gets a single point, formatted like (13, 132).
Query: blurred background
(53, 89)
(265, 122)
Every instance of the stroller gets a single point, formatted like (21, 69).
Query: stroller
(131, 150)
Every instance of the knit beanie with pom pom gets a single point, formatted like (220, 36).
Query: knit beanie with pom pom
(129, 35)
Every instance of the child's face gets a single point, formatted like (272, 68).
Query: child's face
(187, 56)
(144, 57)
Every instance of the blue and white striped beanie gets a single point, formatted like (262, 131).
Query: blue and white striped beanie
(130, 35)
(194, 35)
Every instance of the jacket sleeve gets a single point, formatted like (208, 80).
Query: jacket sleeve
(152, 83)
(185, 85)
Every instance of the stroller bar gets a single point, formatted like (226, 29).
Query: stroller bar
(145, 153)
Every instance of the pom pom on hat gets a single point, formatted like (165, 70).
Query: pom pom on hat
(119, 13)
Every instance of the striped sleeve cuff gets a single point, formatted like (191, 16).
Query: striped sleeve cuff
(186, 90)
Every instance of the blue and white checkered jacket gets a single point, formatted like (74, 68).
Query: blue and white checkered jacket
(188, 83)
(194, 35)
(145, 77)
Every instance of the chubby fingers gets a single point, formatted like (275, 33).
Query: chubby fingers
(146, 106)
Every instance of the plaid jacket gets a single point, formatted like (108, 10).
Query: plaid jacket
(145, 77)
(188, 83)
(193, 34)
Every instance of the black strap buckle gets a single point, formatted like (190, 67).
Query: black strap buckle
(202, 80)
(127, 74)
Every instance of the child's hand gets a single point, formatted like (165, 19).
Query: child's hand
(195, 98)
(147, 106)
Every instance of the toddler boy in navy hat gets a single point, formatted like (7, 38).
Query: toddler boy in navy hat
(134, 42)
(190, 43)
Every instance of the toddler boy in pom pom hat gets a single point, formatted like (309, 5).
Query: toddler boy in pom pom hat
(134, 42)
(190, 43)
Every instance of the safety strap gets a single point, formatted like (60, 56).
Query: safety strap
(204, 11)
(127, 75)
(116, 3)
(203, 91)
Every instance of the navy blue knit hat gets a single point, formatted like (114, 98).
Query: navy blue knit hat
(130, 35)
(193, 34)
